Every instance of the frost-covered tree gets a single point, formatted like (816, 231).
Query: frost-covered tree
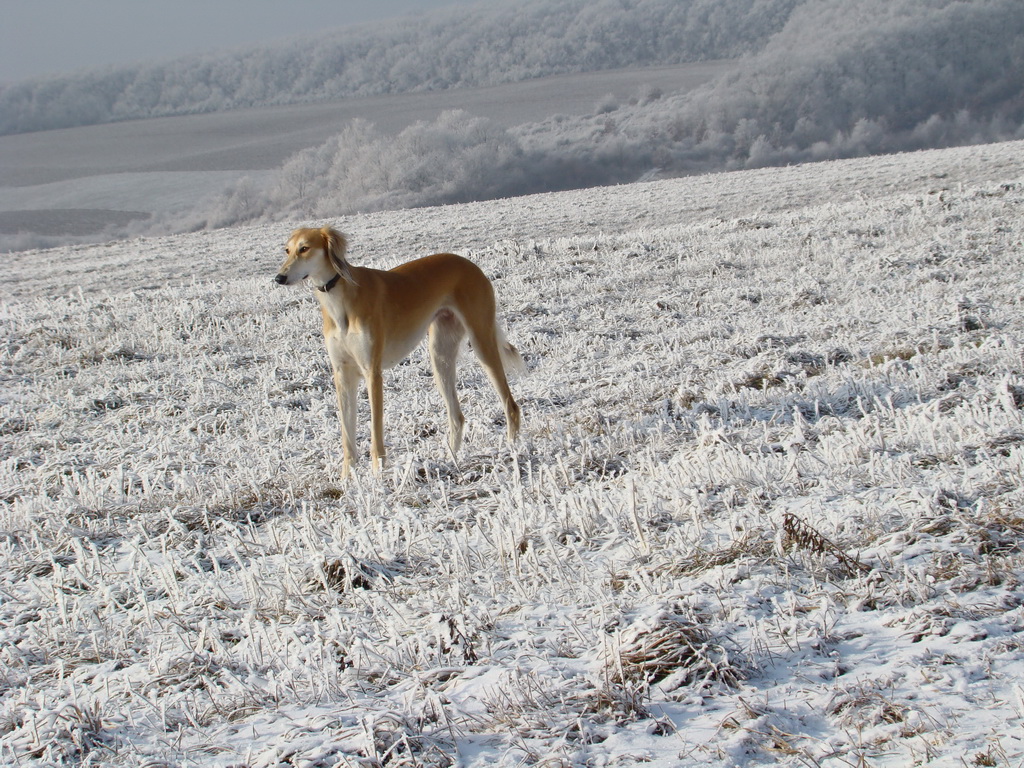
(842, 78)
(446, 49)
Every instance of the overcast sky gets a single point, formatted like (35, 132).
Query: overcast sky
(40, 37)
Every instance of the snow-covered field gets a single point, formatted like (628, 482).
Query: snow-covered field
(767, 506)
(79, 181)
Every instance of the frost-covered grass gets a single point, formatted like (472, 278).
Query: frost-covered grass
(767, 505)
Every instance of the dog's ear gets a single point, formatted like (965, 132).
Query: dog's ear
(336, 247)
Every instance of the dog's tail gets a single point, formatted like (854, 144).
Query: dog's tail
(511, 360)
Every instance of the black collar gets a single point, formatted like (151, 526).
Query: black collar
(330, 284)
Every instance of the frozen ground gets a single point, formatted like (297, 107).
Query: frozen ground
(78, 181)
(766, 509)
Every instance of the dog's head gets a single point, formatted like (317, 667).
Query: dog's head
(315, 253)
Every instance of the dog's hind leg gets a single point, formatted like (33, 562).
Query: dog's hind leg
(446, 332)
(487, 343)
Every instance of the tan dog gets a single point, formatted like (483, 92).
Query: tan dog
(373, 319)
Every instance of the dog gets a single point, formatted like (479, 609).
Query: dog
(374, 318)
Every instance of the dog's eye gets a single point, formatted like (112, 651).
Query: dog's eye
(303, 249)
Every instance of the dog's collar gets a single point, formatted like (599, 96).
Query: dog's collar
(330, 284)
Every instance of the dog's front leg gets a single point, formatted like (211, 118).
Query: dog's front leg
(375, 388)
(346, 385)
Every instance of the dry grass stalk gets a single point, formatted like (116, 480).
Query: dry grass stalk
(750, 545)
(671, 652)
(797, 533)
(339, 576)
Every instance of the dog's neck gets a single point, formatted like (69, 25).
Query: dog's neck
(326, 287)
(333, 302)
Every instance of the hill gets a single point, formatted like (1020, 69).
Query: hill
(448, 48)
(806, 81)
(766, 508)
(170, 174)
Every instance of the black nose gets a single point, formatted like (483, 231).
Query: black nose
(281, 279)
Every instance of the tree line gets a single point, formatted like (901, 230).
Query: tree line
(840, 78)
(445, 49)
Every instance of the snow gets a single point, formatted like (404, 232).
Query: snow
(766, 508)
(175, 167)
(167, 191)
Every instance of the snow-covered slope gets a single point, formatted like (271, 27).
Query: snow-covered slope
(77, 182)
(766, 509)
